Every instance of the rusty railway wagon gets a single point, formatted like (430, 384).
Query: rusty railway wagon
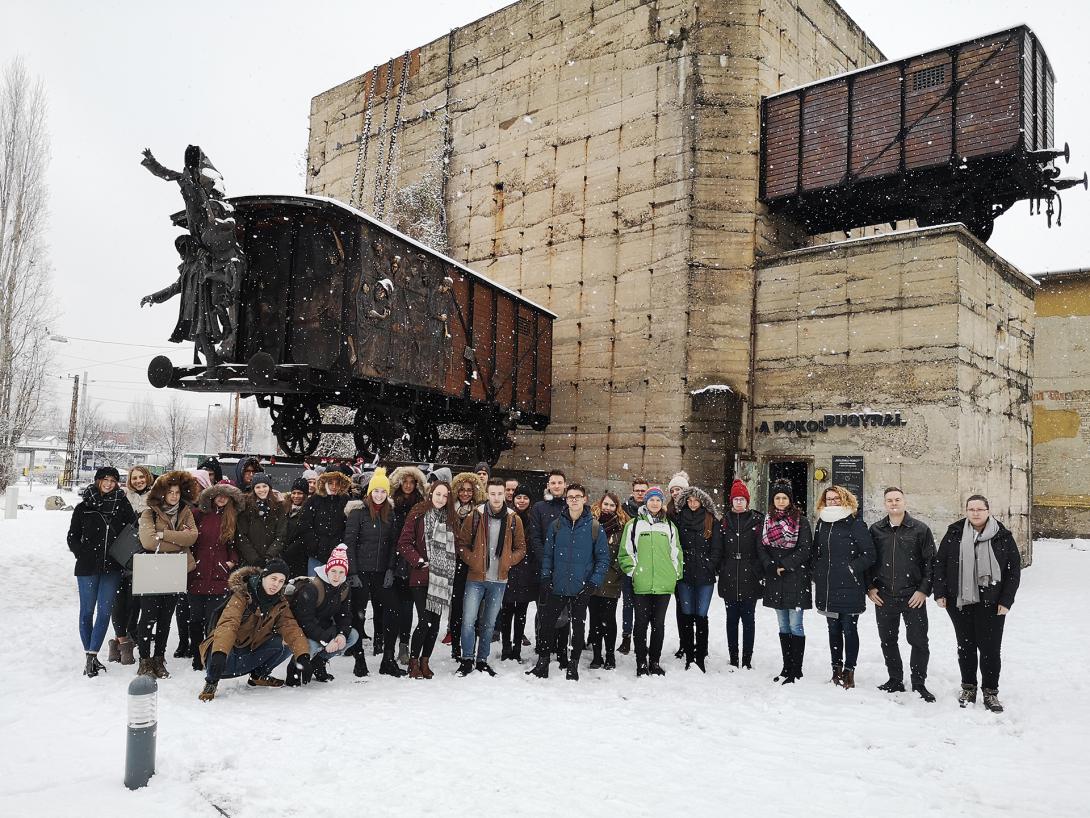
(337, 309)
(960, 133)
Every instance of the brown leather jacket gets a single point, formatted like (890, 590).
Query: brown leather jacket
(472, 543)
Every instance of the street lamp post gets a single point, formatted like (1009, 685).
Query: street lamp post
(207, 417)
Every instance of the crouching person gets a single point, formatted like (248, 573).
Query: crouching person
(252, 630)
(323, 608)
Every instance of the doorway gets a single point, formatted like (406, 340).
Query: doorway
(796, 472)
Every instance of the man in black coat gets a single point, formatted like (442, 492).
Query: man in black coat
(628, 602)
(541, 517)
(323, 609)
(898, 585)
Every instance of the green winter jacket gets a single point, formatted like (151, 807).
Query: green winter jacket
(650, 553)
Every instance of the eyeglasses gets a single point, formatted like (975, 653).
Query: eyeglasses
(572, 497)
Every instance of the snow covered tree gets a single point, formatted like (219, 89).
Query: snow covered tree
(25, 288)
(176, 431)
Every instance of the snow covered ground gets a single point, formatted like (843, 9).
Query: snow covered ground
(609, 745)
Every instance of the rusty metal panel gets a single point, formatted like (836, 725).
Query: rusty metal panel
(504, 376)
(484, 328)
(544, 365)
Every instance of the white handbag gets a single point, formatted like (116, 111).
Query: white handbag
(160, 573)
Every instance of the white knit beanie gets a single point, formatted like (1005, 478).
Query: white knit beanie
(681, 479)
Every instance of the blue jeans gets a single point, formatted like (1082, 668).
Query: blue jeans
(480, 607)
(628, 606)
(742, 612)
(260, 661)
(316, 647)
(694, 600)
(96, 601)
(790, 620)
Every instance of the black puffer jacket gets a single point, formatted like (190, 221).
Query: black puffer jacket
(369, 537)
(791, 589)
(523, 579)
(1006, 554)
(740, 571)
(701, 545)
(843, 553)
(322, 622)
(906, 556)
(542, 514)
(323, 522)
(96, 522)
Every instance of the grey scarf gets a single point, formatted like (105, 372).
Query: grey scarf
(442, 560)
(977, 566)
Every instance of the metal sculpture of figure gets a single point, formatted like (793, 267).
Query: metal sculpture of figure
(212, 266)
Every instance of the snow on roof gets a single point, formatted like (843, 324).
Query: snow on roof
(715, 387)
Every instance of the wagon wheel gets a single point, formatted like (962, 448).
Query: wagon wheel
(424, 440)
(298, 427)
(369, 435)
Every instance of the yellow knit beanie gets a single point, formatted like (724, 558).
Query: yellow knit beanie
(379, 480)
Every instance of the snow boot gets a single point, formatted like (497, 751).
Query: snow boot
(209, 691)
(610, 662)
(425, 668)
(991, 701)
(596, 661)
(700, 644)
(264, 681)
(967, 695)
(786, 649)
(414, 669)
(641, 670)
(925, 694)
(390, 668)
(799, 652)
(734, 658)
(655, 669)
(484, 667)
(572, 674)
(89, 668)
(403, 654)
(892, 686)
(847, 680)
(159, 667)
(319, 670)
(541, 669)
(747, 661)
(145, 668)
(838, 674)
(125, 646)
(465, 667)
(626, 644)
(115, 651)
(197, 663)
(359, 669)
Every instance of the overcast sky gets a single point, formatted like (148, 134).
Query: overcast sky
(237, 79)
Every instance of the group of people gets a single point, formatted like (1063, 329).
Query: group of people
(276, 577)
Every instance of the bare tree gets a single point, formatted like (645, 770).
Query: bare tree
(143, 421)
(176, 431)
(25, 289)
(91, 433)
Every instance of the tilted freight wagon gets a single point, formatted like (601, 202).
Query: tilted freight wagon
(960, 133)
(337, 309)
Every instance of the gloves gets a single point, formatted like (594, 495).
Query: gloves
(354, 581)
(303, 663)
(215, 666)
(388, 579)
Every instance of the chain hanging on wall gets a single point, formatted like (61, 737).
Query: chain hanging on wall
(380, 205)
(382, 131)
(361, 154)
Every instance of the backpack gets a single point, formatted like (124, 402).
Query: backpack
(294, 586)
(214, 616)
(595, 528)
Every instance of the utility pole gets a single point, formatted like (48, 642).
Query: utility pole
(70, 453)
(234, 430)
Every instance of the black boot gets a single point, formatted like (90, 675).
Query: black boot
(541, 669)
(967, 695)
(686, 623)
(925, 694)
(359, 669)
(797, 653)
(626, 644)
(596, 662)
(465, 667)
(785, 649)
(747, 661)
(610, 662)
(390, 667)
(90, 668)
(700, 648)
(991, 700)
(484, 667)
(734, 657)
(573, 667)
(892, 686)
(562, 657)
(655, 669)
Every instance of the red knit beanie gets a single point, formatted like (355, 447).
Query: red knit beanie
(338, 558)
(738, 489)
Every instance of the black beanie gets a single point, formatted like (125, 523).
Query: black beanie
(107, 471)
(301, 484)
(276, 566)
(482, 466)
(259, 478)
(783, 487)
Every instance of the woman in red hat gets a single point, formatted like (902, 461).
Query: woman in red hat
(740, 576)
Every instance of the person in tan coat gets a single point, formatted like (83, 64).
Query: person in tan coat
(489, 541)
(255, 632)
(167, 526)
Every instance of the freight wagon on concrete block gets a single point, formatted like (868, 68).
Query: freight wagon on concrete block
(957, 134)
(337, 309)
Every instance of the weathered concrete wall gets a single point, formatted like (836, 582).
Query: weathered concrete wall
(929, 324)
(603, 161)
(1061, 407)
